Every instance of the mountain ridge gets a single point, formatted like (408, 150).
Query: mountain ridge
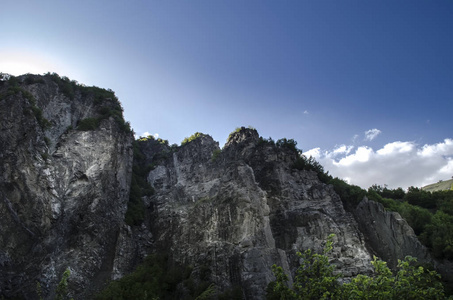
(72, 174)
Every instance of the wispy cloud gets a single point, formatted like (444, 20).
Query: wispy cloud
(371, 134)
(306, 112)
(398, 164)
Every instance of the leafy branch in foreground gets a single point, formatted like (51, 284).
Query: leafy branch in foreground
(315, 279)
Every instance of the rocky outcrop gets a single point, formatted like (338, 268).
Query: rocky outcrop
(63, 192)
(388, 235)
(241, 211)
(231, 213)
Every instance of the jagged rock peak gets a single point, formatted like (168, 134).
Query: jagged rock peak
(199, 148)
(241, 135)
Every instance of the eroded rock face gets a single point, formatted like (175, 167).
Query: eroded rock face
(63, 192)
(246, 209)
(388, 234)
(230, 213)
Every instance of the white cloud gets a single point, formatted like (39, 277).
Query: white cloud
(146, 134)
(342, 149)
(397, 164)
(315, 152)
(361, 155)
(371, 134)
(396, 147)
(306, 112)
(437, 149)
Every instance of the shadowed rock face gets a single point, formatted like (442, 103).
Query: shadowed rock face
(232, 215)
(388, 233)
(63, 192)
(245, 210)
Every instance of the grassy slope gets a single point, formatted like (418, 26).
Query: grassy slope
(439, 186)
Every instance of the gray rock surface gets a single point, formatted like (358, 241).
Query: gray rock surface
(245, 210)
(63, 193)
(230, 213)
(388, 234)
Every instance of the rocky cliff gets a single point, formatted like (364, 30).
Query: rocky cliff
(239, 211)
(63, 191)
(66, 164)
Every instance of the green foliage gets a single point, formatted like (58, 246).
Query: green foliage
(106, 103)
(45, 155)
(135, 213)
(37, 112)
(61, 292)
(234, 293)
(417, 217)
(263, 141)
(193, 137)
(410, 282)
(43, 122)
(13, 81)
(156, 278)
(39, 291)
(237, 130)
(350, 195)
(68, 87)
(310, 164)
(216, 154)
(15, 89)
(289, 144)
(32, 79)
(433, 226)
(315, 279)
(88, 124)
(438, 235)
(389, 204)
(397, 194)
(416, 196)
(207, 294)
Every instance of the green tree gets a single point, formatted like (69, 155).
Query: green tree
(61, 292)
(416, 196)
(410, 282)
(438, 235)
(315, 279)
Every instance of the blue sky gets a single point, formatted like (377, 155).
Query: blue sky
(321, 72)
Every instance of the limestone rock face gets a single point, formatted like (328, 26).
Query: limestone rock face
(388, 234)
(241, 211)
(229, 213)
(63, 192)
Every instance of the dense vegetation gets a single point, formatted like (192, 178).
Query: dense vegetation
(135, 213)
(316, 279)
(193, 137)
(430, 214)
(105, 102)
(15, 89)
(159, 278)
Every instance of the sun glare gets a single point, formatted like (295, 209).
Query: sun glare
(19, 64)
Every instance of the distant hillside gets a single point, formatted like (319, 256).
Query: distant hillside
(439, 186)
